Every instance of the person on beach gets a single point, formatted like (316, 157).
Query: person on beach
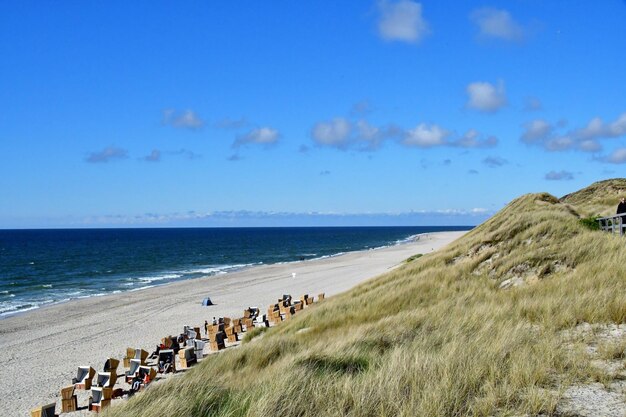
(206, 327)
(621, 208)
(214, 321)
(155, 354)
(135, 385)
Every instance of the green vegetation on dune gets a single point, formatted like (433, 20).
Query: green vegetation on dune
(474, 329)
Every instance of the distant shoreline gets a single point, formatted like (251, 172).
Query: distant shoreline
(147, 280)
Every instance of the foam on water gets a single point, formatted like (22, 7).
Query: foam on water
(43, 267)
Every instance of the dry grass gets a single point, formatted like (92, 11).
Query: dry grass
(436, 337)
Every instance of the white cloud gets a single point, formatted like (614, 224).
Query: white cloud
(559, 143)
(335, 133)
(618, 127)
(536, 130)
(471, 139)
(494, 161)
(559, 176)
(186, 153)
(370, 137)
(361, 135)
(186, 119)
(402, 21)
(107, 154)
(263, 136)
(589, 145)
(618, 156)
(425, 136)
(486, 97)
(498, 24)
(272, 218)
(597, 129)
(585, 139)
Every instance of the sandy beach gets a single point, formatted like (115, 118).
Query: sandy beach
(43, 348)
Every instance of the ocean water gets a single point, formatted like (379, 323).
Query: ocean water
(40, 267)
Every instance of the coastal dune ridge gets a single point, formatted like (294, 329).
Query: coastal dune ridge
(524, 315)
(44, 347)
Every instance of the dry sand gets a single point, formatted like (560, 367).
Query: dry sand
(42, 349)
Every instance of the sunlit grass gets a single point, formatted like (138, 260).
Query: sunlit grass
(435, 337)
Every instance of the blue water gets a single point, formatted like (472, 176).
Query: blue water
(40, 267)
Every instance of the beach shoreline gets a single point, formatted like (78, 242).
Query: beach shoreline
(158, 277)
(44, 347)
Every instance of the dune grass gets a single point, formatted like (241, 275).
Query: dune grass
(435, 337)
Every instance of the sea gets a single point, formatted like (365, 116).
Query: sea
(43, 267)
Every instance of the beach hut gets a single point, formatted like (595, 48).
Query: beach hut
(44, 411)
(100, 398)
(84, 375)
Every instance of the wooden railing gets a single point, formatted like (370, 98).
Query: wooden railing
(614, 224)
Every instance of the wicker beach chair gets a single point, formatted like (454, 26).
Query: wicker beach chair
(142, 355)
(167, 356)
(187, 357)
(134, 367)
(199, 348)
(149, 371)
(106, 379)
(69, 402)
(44, 411)
(100, 398)
(130, 354)
(110, 365)
(84, 376)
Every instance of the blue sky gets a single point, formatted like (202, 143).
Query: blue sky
(290, 113)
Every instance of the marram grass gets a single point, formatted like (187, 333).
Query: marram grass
(436, 337)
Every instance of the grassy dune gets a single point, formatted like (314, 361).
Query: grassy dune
(475, 329)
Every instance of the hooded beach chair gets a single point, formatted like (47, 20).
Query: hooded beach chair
(110, 365)
(149, 371)
(191, 334)
(142, 355)
(100, 398)
(84, 376)
(44, 411)
(199, 348)
(167, 356)
(187, 357)
(130, 353)
(68, 399)
(134, 367)
(106, 379)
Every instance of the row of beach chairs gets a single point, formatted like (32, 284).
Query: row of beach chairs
(225, 329)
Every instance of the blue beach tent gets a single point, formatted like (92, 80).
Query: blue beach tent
(207, 302)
